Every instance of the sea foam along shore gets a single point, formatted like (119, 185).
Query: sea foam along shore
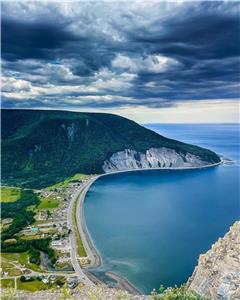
(91, 250)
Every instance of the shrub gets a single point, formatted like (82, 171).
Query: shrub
(176, 293)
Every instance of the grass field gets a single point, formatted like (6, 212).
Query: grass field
(80, 248)
(21, 258)
(68, 180)
(7, 283)
(32, 286)
(48, 203)
(10, 268)
(10, 194)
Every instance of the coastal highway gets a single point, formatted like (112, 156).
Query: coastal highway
(73, 244)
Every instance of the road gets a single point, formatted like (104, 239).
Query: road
(73, 244)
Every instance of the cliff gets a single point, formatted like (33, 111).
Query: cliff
(152, 158)
(217, 275)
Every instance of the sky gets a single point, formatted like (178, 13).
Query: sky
(149, 61)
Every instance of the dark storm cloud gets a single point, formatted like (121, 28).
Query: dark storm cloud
(21, 40)
(204, 31)
(119, 55)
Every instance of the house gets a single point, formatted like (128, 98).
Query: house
(57, 243)
(43, 215)
(52, 278)
(24, 270)
(72, 282)
(45, 280)
(27, 277)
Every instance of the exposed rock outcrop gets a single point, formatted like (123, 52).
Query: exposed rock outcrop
(217, 275)
(85, 293)
(152, 158)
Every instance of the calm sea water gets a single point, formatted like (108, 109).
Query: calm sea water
(151, 226)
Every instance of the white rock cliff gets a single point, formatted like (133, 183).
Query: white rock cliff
(152, 158)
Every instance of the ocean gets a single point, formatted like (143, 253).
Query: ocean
(151, 226)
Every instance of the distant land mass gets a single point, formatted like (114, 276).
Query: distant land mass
(42, 147)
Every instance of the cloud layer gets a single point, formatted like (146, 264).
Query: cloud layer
(118, 55)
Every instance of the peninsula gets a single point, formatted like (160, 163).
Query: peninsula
(53, 145)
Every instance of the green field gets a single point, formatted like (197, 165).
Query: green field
(38, 285)
(32, 286)
(48, 203)
(10, 194)
(7, 283)
(21, 258)
(68, 180)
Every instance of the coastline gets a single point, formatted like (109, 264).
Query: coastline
(88, 243)
(91, 250)
(124, 284)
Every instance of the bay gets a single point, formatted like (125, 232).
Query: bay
(151, 226)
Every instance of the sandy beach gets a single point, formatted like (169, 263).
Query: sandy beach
(91, 250)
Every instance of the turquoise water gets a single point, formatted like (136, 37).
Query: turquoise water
(151, 226)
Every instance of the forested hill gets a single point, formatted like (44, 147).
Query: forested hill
(41, 147)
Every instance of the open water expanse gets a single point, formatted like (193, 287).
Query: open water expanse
(151, 226)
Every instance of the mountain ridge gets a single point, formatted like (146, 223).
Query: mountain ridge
(52, 144)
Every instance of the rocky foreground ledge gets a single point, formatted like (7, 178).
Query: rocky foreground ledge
(86, 293)
(217, 275)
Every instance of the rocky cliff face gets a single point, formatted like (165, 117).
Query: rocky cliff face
(217, 275)
(152, 158)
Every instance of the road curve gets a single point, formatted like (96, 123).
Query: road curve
(73, 244)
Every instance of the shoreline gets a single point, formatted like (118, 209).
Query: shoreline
(88, 243)
(124, 284)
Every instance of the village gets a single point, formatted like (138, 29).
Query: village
(51, 221)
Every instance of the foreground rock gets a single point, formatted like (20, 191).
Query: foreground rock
(217, 275)
(86, 293)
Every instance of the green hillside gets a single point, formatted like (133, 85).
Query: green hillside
(42, 147)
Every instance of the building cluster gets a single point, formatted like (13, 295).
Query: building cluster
(71, 281)
(52, 222)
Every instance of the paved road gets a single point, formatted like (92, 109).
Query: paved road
(73, 244)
